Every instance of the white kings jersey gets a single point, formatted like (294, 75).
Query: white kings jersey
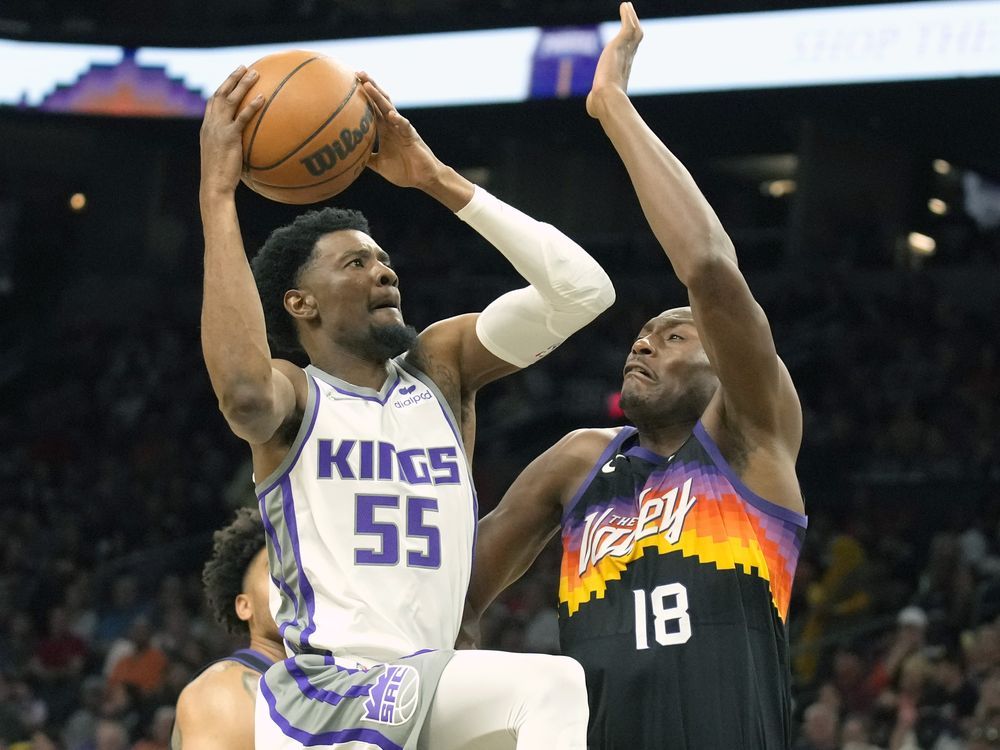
(371, 520)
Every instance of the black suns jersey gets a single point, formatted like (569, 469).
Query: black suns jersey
(674, 590)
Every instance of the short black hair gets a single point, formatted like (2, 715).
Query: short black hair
(233, 548)
(277, 266)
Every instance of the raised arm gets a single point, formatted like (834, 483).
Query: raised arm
(530, 513)
(757, 392)
(255, 394)
(567, 288)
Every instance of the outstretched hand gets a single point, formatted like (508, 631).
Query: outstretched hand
(222, 131)
(402, 157)
(615, 63)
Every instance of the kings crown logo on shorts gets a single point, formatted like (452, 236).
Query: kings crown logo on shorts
(394, 696)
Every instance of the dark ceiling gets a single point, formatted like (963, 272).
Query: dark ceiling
(225, 22)
(958, 118)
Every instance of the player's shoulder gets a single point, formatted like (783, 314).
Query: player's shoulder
(221, 687)
(578, 450)
(290, 370)
(440, 344)
(216, 709)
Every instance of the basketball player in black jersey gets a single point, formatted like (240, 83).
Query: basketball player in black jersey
(680, 535)
(215, 711)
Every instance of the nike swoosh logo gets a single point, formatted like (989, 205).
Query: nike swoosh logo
(610, 465)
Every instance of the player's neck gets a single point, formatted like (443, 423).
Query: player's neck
(351, 367)
(274, 650)
(665, 440)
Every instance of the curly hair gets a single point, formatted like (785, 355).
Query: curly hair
(277, 266)
(233, 548)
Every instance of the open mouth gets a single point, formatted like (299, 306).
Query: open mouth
(636, 369)
(385, 303)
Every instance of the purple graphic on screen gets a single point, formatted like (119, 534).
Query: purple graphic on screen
(127, 89)
(564, 62)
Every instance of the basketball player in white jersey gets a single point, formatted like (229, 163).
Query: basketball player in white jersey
(362, 458)
(216, 709)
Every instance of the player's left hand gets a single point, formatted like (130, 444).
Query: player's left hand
(614, 66)
(402, 157)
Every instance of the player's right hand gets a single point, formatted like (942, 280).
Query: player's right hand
(222, 131)
(615, 63)
(402, 157)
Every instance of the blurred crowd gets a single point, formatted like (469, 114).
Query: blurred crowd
(117, 466)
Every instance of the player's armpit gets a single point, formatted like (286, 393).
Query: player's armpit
(454, 344)
(469, 633)
(255, 412)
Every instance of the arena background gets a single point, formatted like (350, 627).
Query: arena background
(116, 464)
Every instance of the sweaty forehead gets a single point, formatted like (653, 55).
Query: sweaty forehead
(669, 318)
(345, 241)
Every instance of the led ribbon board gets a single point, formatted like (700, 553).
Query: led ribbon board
(814, 47)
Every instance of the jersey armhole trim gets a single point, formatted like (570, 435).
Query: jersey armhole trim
(613, 445)
(427, 380)
(295, 449)
(765, 506)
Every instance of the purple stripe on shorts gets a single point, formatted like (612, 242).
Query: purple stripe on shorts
(320, 694)
(418, 653)
(307, 739)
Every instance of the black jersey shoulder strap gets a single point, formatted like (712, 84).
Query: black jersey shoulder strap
(247, 657)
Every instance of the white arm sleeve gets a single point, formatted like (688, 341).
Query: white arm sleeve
(568, 288)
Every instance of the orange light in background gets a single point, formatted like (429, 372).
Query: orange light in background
(937, 206)
(77, 202)
(941, 166)
(778, 188)
(921, 244)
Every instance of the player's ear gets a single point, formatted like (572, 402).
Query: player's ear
(300, 304)
(243, 607)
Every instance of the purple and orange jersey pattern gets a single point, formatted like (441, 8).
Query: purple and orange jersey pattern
(692, 505)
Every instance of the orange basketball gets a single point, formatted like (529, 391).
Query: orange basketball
(314, 133)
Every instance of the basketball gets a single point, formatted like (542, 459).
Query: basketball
(313, 134)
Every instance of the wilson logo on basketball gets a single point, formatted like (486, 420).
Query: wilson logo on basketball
(327, 157)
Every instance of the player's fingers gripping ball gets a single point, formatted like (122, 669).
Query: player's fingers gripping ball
(314, 133)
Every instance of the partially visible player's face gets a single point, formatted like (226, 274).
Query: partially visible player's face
(667, 374)
(256, 583)
(356, 294)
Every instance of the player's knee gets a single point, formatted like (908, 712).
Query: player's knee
(571, 673)
(562, 681)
